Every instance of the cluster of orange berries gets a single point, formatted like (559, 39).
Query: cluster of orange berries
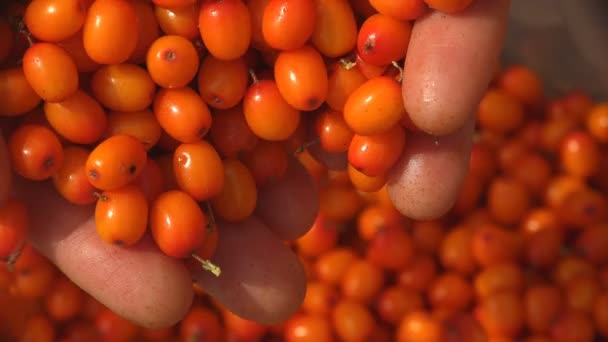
(167, 113)
(181, 109)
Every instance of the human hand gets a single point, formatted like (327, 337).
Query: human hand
(261, 278)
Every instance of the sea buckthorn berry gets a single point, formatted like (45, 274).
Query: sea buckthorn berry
(572, 325)
(172, 61)
(301, 77)
(35, 152)
(383, 39)
(239, 195)
(200, 323)
(331, 265)
(320, 238)
(591, 243)
(116, 162)
(343, 78)
(333, 132)
(39, 327)
(508, 200)
(583, 207)
(597, 122)
(308, 327)
(374, 218)
(449, 6)
(419, 274)
(50, 71)
(502, 314)
(288, 24)
(267, 161)
(362, 281)
(64, 300)
(181, 21)
(419, 325)
(267, 113)
(178, 224)
(363, 182)
(173, 3)
(391, 248)
(499, 112)
(451, 292)
(199, 170)
(151, 180)
(53, 21)
(222, 84)
(523, 84)
(542, 304)
(395, 302)
(123, 87)
(148, 30)
(335, 32)
(339, 202)
(534, 171)
(78, 118)
(74, 46)
(225, 27)
(375, 107)
(600, 314)
(560, 187)
(110, 32)
(230, 133)
(320, 298)
(352, 321)
(14, 222)
(375, 155)
(543, 248)
(112, 327)
(499, 277)
(138, 124)
(492, 244)
(71, 180)
(182, 113)
(580, 154)
(17, 97)
(121, 215)
(455, 252)
(400, 9)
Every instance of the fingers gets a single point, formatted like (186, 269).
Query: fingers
(289, 206)
(450, 62)
(426, 181)
(138, 283)
(261, 280)
(5, 171)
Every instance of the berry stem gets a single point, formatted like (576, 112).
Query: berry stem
(254, 77)
(12, 259)
(347, 63)
(399, 77)
(208, 265)
(212, 222)
(306, 145)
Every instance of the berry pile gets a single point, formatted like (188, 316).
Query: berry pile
(168, 115)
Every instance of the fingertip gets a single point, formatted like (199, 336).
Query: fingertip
(427, 179)
(138, 282)
(262, 279)
(289, 206)
(451, 60)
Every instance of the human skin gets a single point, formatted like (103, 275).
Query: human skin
(450, 62)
